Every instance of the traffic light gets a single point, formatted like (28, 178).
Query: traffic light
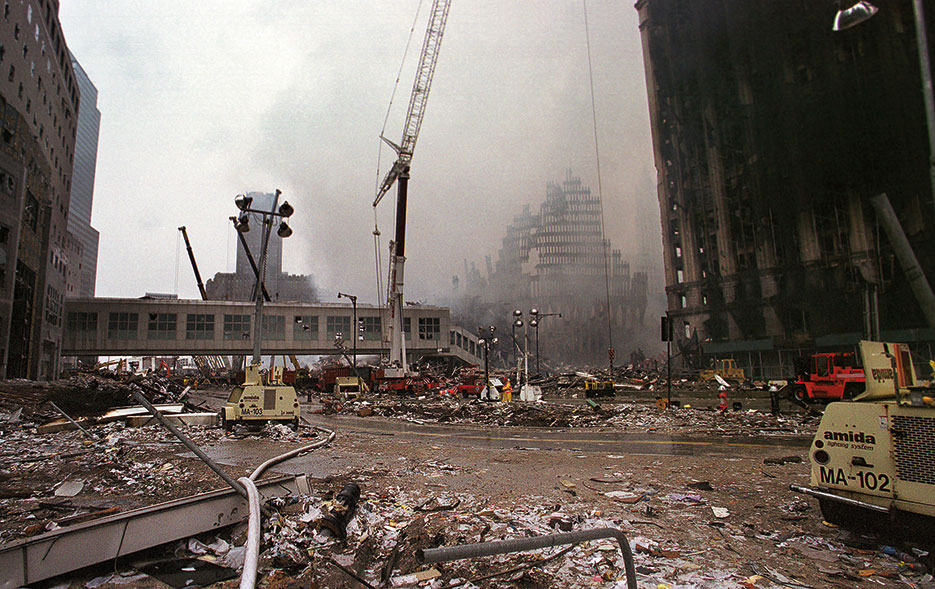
(666, 329)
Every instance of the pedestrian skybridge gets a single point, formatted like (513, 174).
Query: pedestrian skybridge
(175, 327)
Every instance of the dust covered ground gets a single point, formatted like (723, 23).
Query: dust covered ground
(704, 499)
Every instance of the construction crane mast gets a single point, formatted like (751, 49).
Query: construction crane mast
(191, 257)
(399, 174)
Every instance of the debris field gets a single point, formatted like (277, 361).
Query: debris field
(705, 516)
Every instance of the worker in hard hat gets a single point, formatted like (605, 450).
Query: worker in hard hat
(506, 395)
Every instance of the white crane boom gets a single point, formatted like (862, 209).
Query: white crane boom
(400, 172)
(419, 97)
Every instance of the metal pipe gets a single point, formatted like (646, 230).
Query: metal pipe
(190, 445)
(261, 279)
(444, 554)
(925, 67)
(74, 423)
(838, 498)
(907, 258)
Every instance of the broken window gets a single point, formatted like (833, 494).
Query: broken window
(305, 328)
(336, 325)
(162, 326)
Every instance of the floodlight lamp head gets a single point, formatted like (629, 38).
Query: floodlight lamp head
(285, 209)
(284, 230)
(854, 15)
(518, 323)
(534, 311)
(534, 323)
(494, 341)
(517, 313)
(243, 201)
(482, 341)
(243, 222)
(493, 328)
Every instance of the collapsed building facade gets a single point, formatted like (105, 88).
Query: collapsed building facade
(281, 286)
(39, 105)
(556, 261)
(774, 138)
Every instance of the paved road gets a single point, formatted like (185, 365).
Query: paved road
(584, 440)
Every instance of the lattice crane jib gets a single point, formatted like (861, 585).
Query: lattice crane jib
(399, 172)
(419, 97)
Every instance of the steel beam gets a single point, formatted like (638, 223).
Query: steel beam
(75, 547)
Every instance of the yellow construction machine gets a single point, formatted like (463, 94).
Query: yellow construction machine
(260, 400)
(726, 368)
(872, 457)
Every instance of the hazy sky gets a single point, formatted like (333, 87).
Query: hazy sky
(202, 101)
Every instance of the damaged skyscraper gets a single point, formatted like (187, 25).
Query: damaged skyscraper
(555, 261)
(39, 109)
(774, 138)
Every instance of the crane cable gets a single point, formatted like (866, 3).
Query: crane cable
(600, 195)
(376, 228)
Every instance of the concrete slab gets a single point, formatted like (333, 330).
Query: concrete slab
(205, 419)
(112, 415)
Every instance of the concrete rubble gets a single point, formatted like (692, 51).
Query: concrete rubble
(692, 521)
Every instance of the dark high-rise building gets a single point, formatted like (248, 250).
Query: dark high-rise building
(39, 102)
(84, 268)
(772, 135)
(281, 286)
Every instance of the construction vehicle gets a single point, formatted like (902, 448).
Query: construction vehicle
(726, 368)
(299, 376)
(596, 387)
(399, 174)
(828, 377)
(871, 458)
(260, 399)
(350, 387)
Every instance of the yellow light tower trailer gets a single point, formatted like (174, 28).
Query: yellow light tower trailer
(873, 458)
(256, 402)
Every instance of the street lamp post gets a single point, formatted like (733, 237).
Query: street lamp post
(518, 322)
(356, 327)
(242, 224)
(526, 392)
(862, 11)
(486, 339)
(535, 323)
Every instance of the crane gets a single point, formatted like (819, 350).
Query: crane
(191, 256)
(399, 174)
(207, 364)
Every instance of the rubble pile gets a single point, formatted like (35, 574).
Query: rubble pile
(50, 480)
(618, 416)
(81, 395)
(122, 470)
(378, 546)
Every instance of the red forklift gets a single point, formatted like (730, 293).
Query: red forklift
(827, 377)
